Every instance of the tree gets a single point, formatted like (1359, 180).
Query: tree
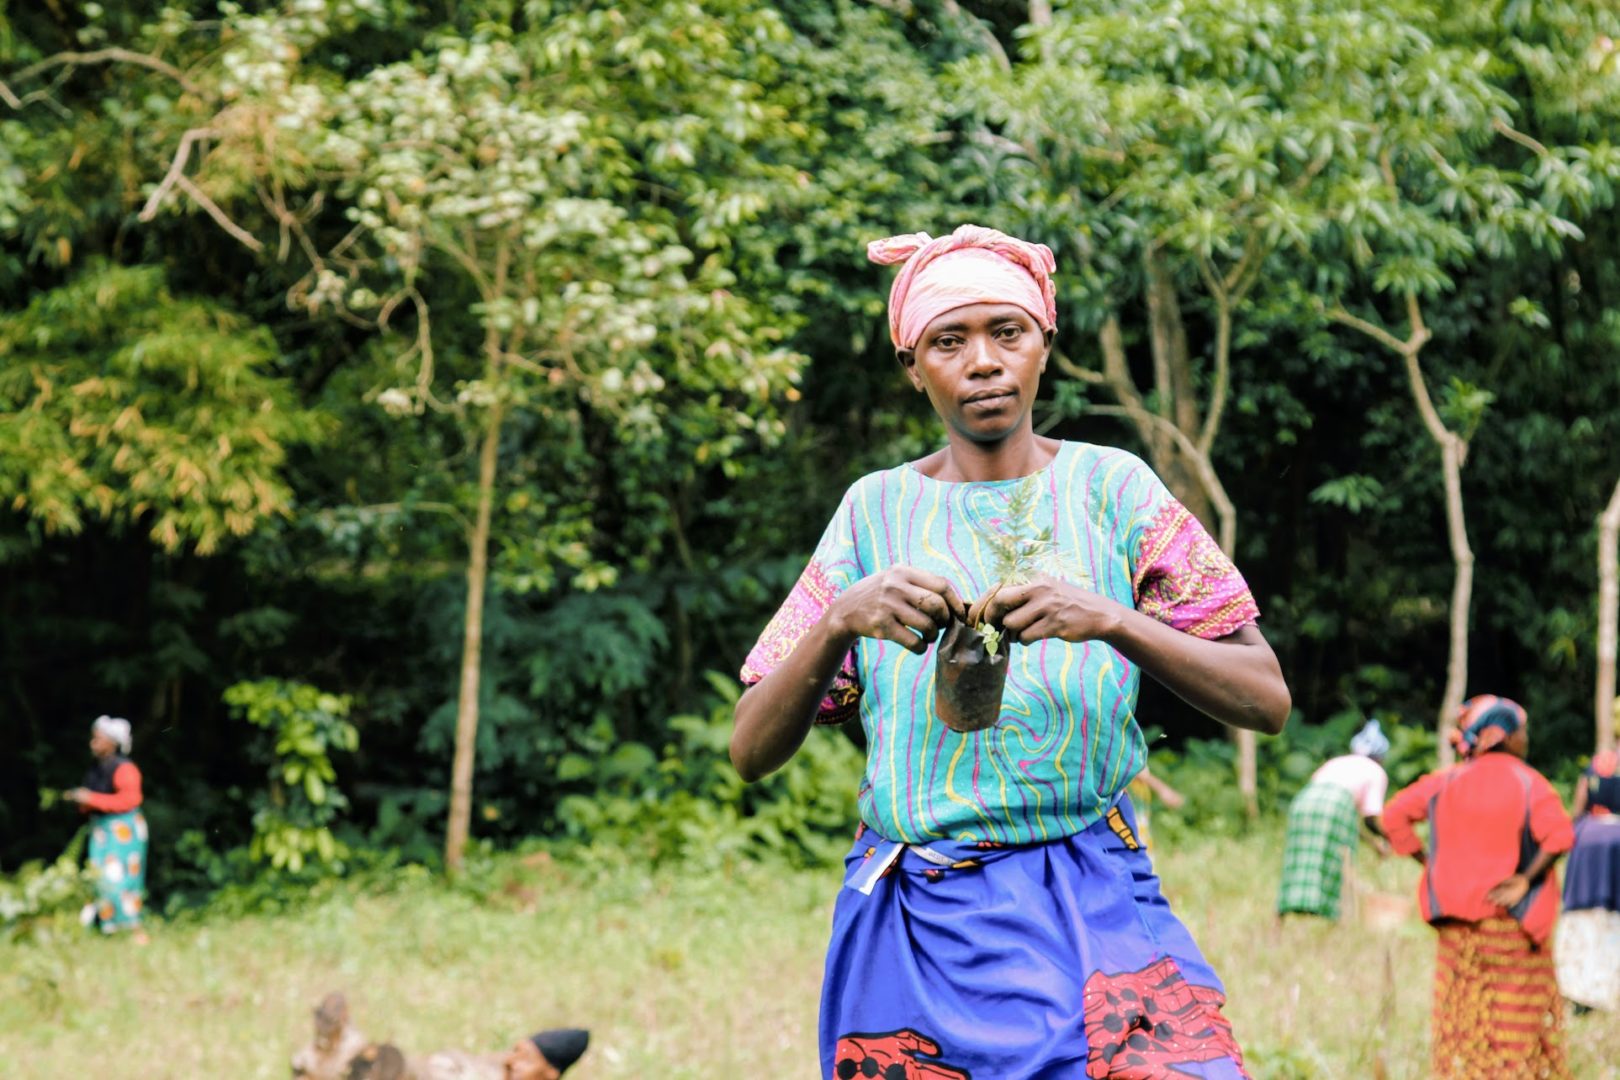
(1605, 707)
(1173, 148)
(727, 154)
(122, 403)
(1429, 206)
(497, 173)
(1169, 150)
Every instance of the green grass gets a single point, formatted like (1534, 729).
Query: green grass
(679, 975)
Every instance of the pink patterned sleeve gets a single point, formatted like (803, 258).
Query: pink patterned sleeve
(1181, 577)
(814, 592)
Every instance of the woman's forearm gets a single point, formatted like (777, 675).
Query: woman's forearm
(901, 604)
(1539, 866)
(1235, 679)
(775, 714)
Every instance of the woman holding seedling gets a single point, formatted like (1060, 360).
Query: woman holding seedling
(987, 611)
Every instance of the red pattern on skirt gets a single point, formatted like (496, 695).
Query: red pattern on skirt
(1497, 1012)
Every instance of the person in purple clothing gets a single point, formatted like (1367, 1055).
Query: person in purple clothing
(1000, 918)
(1588, 941)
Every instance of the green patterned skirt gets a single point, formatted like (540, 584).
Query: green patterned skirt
(118, 865)
(1321, 829)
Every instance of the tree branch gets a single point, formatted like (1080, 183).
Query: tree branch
(1372, 330)
(1408, 351)
(104, 56)
(1502, 127)
(1247, 271)
(1207, 477)
(177, 168)
(992, 44)
(252, 242)
(1310, 172)
(1075, 371)
(1221, 388)
(1414, 316)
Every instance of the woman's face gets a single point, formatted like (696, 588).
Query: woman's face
(525, 1062)
(101, 745)
(1518, 743)
(980, 366)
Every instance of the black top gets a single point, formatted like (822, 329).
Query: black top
(1603, 792)
(100, 777)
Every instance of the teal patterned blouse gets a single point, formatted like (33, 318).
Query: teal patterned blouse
(1067, 741)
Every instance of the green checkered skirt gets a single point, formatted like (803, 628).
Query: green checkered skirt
(1321, 828)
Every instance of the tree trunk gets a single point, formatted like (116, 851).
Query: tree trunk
(1169, 330)
(1608, 618)
(472, 647)
(1187, 470)
(1453, 452)
(1246, 744)
(1462, 592)
(1169, 435)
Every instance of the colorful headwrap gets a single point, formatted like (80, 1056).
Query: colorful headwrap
(973, 265)
(114, 728)
(1484, 722)
(1370, 741)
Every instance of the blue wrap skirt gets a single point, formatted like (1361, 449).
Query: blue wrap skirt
(963, 961)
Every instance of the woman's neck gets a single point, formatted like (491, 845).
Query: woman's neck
(964, 460)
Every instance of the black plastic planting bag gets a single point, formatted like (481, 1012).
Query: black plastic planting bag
(968, 680)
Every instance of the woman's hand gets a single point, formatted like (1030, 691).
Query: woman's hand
(1046, 607)
(77, 795)
(1509, 891)
(1234, 679)
(901, 604)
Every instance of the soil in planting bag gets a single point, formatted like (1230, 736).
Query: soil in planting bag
(968, 680)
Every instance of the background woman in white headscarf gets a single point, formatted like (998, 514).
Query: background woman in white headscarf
(1322, 824)
(111, 794)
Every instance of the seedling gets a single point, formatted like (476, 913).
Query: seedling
(970, 670)
(1019, 551)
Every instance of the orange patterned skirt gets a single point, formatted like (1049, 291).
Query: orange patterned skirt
(1497, 1012)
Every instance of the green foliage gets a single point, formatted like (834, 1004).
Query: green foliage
(685, 802)
(41, 893)
(690, 363)
(292, 819)
(122, 403)
(699, 949)
(1355, 493)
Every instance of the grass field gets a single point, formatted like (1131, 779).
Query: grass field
(678, 975)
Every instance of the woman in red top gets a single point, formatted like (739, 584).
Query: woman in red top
(111, 794)
(1495, 829)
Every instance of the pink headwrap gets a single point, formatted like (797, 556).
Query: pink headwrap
(973, 265)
